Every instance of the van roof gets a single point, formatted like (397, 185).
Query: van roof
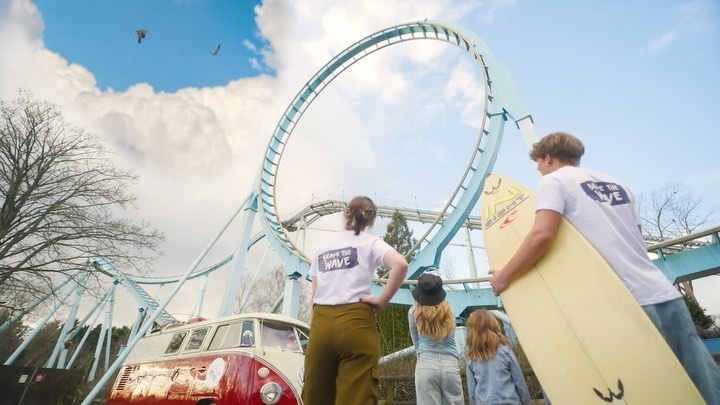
(251, 315)
(265, 315)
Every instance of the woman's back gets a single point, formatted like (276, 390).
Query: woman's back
(345, 265)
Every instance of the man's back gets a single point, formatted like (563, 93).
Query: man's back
(603, 211)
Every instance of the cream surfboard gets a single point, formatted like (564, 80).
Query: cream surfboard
(587, 339)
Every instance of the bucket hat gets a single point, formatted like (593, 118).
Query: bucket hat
(429, 290)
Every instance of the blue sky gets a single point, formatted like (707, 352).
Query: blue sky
(101, 37)
(637, 81)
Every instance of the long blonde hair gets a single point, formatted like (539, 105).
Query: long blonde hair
(434, 321)
(484, 335)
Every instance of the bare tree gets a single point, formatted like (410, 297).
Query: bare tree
(264, 291)
(61, 199)
(672, 211)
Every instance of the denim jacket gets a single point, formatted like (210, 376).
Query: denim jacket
(498, 380)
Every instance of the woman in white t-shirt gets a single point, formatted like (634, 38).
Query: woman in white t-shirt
(343, 352)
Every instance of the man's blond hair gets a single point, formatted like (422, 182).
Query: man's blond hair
(560, 145)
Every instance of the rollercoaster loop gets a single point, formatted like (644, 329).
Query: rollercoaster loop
(501, 102)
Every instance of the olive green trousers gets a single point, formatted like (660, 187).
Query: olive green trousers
(342, 356)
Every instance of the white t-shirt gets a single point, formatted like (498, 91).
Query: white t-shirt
(603, 210)
(344, 266)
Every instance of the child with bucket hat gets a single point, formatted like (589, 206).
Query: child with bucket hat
(432, 329)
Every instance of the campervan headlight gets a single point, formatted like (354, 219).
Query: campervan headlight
(270, 393)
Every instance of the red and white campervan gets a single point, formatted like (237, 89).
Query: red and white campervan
(240, 359)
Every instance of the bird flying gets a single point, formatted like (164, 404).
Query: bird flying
(215, 52)
(141, 34)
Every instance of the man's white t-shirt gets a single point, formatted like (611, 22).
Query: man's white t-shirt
(603, 210)
(344, 266)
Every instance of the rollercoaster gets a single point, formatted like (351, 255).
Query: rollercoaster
(680, 259)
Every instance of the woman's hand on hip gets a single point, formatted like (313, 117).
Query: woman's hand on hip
(376, 302)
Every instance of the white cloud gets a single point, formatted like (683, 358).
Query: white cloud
(249, 45)
(255, 64)
(706, 291)
(25, 16)
(25, 63)
(466, 89)
(699, 15)
(695, 17)
(493, 7)
(662, 42)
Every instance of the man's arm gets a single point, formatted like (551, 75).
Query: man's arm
(535, 244)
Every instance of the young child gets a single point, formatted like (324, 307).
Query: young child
(493, 372)
(432, 329)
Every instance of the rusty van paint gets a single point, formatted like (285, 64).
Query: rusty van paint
(231, 360)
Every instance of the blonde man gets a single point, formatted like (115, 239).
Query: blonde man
(432, 329)
(603, 210)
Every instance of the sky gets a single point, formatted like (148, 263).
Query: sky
(636, 81)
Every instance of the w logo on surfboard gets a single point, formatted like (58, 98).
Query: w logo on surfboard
(613, 398)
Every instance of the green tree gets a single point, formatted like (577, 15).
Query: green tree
(11, 337)
(41, 347)
(697, 313)
(399, 235)
(392, 321)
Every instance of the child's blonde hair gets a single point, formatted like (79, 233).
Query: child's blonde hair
(484, 335)
(434, 321)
